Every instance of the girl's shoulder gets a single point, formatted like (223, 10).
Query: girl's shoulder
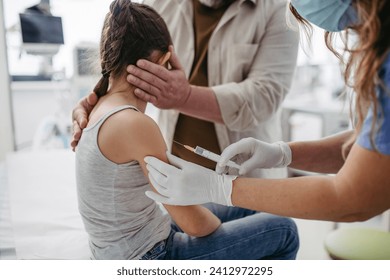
(128, 135)
(130, 120)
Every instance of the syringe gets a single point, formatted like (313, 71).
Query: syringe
(207, 154)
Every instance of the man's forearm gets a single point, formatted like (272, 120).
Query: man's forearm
(324, 155)
(202, 104)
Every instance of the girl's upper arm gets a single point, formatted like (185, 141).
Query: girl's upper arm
(146, 140)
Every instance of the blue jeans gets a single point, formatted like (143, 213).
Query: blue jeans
(243, 235)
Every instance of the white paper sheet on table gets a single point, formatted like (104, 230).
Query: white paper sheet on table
(43, 201)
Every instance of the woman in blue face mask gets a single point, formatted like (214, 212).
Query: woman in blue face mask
(360, 159)
(330, 15)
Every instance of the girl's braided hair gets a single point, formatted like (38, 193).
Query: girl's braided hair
(131, 31)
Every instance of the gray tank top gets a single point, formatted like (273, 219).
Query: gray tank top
(121, 221)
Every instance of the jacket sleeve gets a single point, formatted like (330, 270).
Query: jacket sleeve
(244, 105)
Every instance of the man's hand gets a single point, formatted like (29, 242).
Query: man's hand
(80, 116)
(165, 89)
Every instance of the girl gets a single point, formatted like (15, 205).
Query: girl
(122, 223)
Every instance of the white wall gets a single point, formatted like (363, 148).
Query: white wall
(6, 131)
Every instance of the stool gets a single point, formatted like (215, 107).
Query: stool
(358, 244)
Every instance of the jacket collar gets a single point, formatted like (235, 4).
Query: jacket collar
(253, 1)
(232, 11)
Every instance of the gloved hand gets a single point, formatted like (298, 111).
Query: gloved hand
(186, 183)
(262, 155)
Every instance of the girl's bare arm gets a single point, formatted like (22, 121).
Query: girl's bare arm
(133, 136)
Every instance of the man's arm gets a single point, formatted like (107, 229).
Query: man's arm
(202, 104)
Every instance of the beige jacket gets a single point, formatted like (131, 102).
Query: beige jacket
(252, 56)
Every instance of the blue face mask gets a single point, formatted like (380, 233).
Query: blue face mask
(331, 15)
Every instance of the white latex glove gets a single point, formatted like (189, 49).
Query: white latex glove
(185, 183)
(261, 155)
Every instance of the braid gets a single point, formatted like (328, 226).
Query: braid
(120, 14)
(111, 44)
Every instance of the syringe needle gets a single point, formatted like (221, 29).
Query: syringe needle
(207, 154)
(185, 146)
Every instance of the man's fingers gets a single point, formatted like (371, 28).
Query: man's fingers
(146, 82)
(82, 110)
(157, 70)
(92, 99)
(73, 144)
(174, 59)
(76, 131)
(80, 118)
(76, 135)
(145, 96)
(155, 74)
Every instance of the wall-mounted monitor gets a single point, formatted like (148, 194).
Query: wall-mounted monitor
(41, 34)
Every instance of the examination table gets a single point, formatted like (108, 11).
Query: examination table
(39, 218)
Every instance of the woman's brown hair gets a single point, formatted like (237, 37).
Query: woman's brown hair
(131, 31)
(364, 60)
